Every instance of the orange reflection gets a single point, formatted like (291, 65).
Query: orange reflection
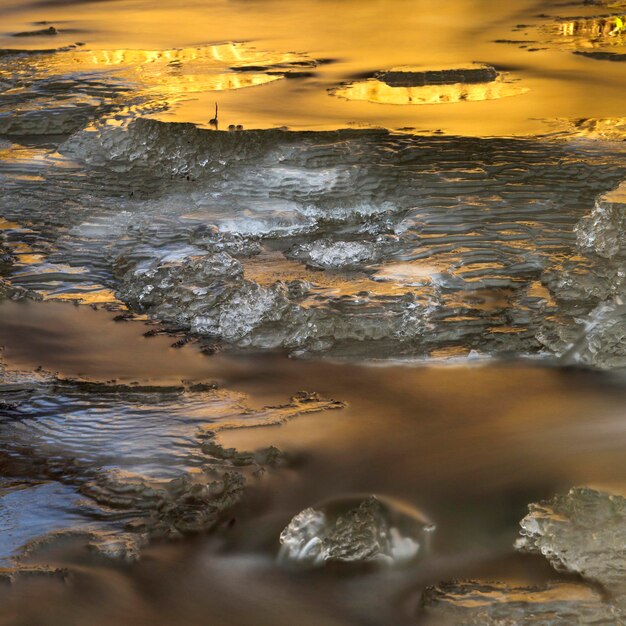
(190, 83)
(265, 269)
(373, 90)
(154, 80)
(97, 296)
(234, 54)
(204, 67)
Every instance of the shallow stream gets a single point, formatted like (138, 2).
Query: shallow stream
(312, 312)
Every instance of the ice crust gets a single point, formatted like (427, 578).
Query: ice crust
(483, 603)
(131, 463)
(592, 289)
(143, 209)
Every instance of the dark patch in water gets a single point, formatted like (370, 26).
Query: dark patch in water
(38, 33)
(602, 56)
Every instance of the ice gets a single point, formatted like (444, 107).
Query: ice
(248, 307)
(436, 85)
(136, 202)
(264, 218)
(176, 149)
(115, 457)
(483, 603)
(326, 254)
(209, 295)
(158, 284)
(38, 117)
(47, 92)
(355, 530)
(602, 342)
(603, 231)
(365, 212)
(584, 532)
(30, 508)
(591, 289)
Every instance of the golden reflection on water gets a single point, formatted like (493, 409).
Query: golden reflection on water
(89, 294)
(373, 90)
(7, 225)
(617, 195)
(265, 269)
(501, 593)
(591, 27)
(437, 426)
(177, 87)
(136, 82)
(592, 33)
(232, 54)
(25, 255)
(152, 48)
(175, 60)
(537, 290)
(414, 273)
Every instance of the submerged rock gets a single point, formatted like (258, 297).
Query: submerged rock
(110, 544)
(355, 530)
(118, 546)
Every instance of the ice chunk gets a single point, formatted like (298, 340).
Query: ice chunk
(326, 254)
(602, 341)
(156, 283)
(355, 530)
(248, 307)
(209, 295)
(266, 219)
(591, 288)
(603, 231)
(583, 531)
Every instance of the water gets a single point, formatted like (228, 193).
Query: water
(355, 288)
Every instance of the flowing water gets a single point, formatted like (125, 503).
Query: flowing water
(312, 312)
